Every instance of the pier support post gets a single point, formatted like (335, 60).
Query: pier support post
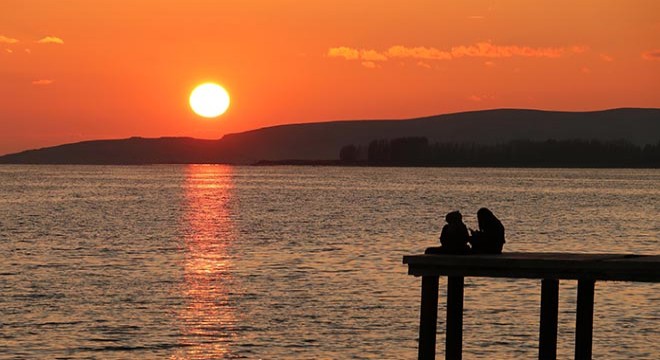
(584, 319)
(428, 318)
(454, 341)
(548, 326)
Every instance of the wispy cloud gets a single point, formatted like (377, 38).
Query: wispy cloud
(50, 40)
(651, 55)
(42, 82)
(369, 64)
(480, 98)
(424, 64)
(606, 58)
(7, 40)
(372, 55)
(489, 50)
(578, 49)
(355, 54)
(420, 52)
(345, 52)
(480, 49)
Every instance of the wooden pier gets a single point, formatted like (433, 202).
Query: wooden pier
(549, 267)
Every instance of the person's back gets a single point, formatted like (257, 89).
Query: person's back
(454, 236)
(490, 237)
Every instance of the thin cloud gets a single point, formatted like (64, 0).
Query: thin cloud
(356, 54)
(651, 55)
(7, 40)
(480, 49)
(488, 50)
(424, 65)
(606, 58)
(480, 98)
(579, 49)
(369, 64)
(420, 52)
(42, 82)
(372, 55)
(345, 52)
(50, 40)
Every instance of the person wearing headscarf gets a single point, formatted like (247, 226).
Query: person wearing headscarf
(489, 239)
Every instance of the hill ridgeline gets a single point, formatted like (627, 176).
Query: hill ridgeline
(323, 141)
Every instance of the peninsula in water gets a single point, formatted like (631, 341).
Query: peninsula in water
(321, 143)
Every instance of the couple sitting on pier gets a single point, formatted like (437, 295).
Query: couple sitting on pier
(489, 239)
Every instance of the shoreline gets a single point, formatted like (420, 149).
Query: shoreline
(339, 163)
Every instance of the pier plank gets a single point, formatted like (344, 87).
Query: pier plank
(570, 266)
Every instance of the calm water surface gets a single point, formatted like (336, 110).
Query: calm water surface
(200, 262)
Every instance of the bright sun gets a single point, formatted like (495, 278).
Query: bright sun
(209, 100)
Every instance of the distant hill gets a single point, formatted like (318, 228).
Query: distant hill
(322, 141)
(136, 150)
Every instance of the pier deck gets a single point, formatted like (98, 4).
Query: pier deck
(549, 267)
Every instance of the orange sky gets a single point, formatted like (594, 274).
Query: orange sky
(74, 70)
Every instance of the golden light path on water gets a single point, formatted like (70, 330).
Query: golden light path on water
(207, 319)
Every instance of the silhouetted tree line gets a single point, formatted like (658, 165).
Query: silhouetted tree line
(417, 151)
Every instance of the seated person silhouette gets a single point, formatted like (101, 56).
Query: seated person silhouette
(489, 239)
(453, 238)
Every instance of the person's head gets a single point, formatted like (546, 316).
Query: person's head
(454, 217)
(485, 217)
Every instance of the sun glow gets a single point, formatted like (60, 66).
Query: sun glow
(209, 100)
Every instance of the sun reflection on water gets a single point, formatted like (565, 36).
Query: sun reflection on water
(207, 318)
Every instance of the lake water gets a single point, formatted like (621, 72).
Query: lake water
(201, 262)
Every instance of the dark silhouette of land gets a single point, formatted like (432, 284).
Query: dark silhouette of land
(308, 143)
(417, 151)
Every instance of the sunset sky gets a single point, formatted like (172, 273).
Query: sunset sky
(73, 70)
